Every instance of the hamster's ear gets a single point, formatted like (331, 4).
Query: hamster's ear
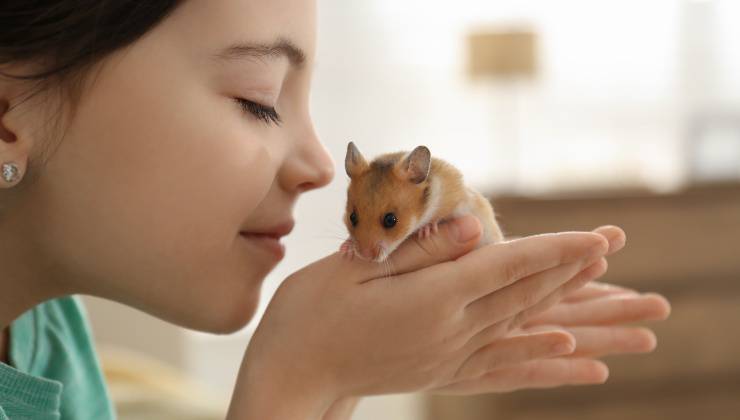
(354, 163)
(415, 166)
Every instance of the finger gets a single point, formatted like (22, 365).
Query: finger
(489, 311)
(453, 239)
(615, 235)
(590, 273)
(595, 290)
(596, 342)
(525, 296)
(516, 349)
(617, 309)
(497, 266)
(537, 329)
(543, 373)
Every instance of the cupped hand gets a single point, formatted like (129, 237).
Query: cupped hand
(426, 319)
(591, 322)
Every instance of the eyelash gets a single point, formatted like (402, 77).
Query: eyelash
(261, 112)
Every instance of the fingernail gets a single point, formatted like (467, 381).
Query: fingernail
(616, 240)
(563, 348)
(644, 342)
(599, 250)
(616, 243)
(465, 229)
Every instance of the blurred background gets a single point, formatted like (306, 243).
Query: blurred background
(570, 114)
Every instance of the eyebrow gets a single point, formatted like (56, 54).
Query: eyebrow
(280, 48)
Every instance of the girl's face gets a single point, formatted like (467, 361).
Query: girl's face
(175, 151)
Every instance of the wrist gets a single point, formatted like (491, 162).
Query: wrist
(342, 409)
(277, 394)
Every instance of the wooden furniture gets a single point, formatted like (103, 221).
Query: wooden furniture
(684, 245)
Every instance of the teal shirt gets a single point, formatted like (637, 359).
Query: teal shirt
(54, 372)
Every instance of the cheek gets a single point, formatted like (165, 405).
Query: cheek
(148, 201)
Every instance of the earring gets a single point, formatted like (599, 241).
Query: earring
(10, 172)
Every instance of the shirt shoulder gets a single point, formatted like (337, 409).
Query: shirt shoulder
(53, 341)
(27, 396)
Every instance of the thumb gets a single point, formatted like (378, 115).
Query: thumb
(454, 238)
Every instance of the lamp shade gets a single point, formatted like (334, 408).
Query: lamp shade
(502, 54)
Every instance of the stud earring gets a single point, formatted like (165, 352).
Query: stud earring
(11, 173)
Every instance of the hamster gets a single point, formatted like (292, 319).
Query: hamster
(404, 193)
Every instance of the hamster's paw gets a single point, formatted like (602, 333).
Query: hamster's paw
(427, 230)
(346, 249)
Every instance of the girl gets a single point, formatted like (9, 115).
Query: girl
(152, 152)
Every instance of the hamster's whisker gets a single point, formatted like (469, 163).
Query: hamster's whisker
(337, 238)
(384, 268)
(330, 235)
(334, 227)
(391, 269)
(335, 231)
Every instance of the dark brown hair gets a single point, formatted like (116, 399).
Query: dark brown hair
(66, 36)
(62, 40)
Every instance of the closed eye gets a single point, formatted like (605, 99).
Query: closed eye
(261, 112)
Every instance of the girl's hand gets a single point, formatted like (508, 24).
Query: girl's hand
(595, 316)
(344, 327)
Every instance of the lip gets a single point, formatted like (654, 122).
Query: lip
(269, 239)
(268, 243)
(276, 231)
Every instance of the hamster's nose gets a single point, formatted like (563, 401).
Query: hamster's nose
(367, 253)
(377, 251)
(370, 253)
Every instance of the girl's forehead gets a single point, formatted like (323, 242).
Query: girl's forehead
(286, 26)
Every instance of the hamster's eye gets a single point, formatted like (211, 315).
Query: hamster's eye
(353, 218)
(389, 220)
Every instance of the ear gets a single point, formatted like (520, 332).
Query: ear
(354, 163)
(13, 149)
(415, 167)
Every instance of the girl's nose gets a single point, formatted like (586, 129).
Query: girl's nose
(309, 166)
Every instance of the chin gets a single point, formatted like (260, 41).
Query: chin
(227, 318)
(224, 308)
(229, 302)
(236, 322)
